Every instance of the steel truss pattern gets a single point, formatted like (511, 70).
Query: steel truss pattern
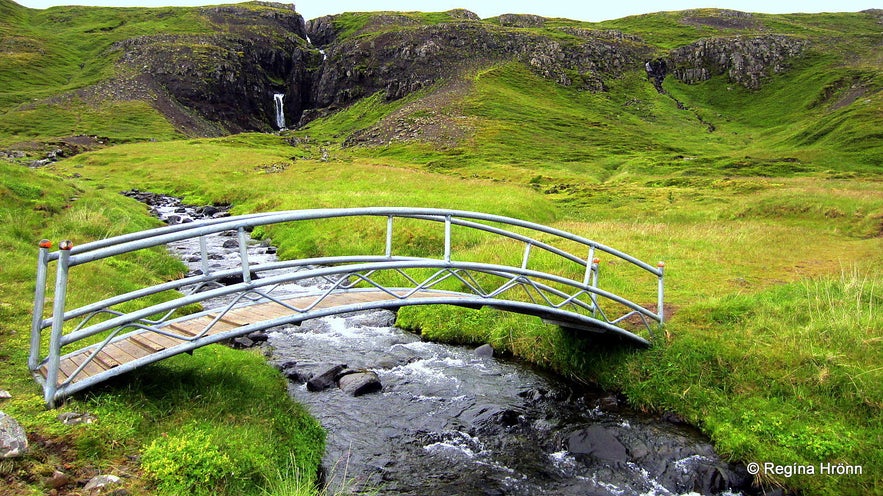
(537, 272)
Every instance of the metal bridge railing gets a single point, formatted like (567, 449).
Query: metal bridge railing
(570, 297)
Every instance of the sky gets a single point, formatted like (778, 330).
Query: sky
(582, 10)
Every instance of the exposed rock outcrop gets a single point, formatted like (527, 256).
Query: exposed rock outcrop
(228, 77)
(746, 60)
(401, 61)
(13, 440)
(223, 81)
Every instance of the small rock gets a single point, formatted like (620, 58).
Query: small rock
(673, 418)
(58, 480)
(287, 364)
(324, 378)
(243, 342)
(258, 336)
(99, 483)
(235, 278)
(13, 440)
(74, 418)
(4, 395)
(610, 402)
(598, 442)
(485, 350)
(360, 383)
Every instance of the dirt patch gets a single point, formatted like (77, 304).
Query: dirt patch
(52, 466)
(436, 119)
(722, 19)
(851, 95)
(637, 322)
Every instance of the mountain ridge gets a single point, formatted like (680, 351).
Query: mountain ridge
(212, 71)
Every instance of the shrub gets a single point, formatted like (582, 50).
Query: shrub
(190, 462)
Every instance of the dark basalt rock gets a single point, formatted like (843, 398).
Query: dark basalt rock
(358, 383)
(746, 60)
(324, 377)
(223, 82)
(598, 442)
(228, 78)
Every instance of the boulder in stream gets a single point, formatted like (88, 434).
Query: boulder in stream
(324, 377)
(358, 383)
(598, 442)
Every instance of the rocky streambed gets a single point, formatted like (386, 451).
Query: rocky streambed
(433, 419)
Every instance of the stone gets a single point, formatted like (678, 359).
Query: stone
(235, 278)
(58, 480)
(324, 378)
(243, 342)
(99, 483)
(485, 350)
(75, 418)
(359, 383)
(258, 336)
(4, 395)
(598, 442)
(13, 440)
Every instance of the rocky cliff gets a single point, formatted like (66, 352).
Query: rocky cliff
(227, 78)
(400, 61)
(224, 81)
(746, 60)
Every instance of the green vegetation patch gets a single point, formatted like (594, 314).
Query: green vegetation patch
(227, 408)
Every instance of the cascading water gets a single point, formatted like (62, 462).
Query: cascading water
(280, 110)
(324, 55)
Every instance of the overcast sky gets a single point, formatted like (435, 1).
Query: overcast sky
(572, 9)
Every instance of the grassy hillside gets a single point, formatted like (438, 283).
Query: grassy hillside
(57, 72)
(771, 226)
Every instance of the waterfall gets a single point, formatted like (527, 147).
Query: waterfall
(280, 110)
(324, 55)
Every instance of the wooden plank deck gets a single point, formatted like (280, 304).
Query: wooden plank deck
(143, 343)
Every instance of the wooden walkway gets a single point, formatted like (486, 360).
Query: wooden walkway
(143, 343)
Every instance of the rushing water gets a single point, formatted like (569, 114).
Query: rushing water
(450, 421)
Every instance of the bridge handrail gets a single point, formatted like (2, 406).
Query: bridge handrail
(68, 256)
(162, 235)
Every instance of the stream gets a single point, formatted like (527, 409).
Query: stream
(452, 420)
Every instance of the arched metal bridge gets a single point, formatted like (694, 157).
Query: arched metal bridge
(528, 268)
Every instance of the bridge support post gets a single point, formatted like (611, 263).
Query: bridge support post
(243, 255)
(659, 308)
(389, 236)
(203, 252)
(54, 356)
(447, 238)
(39, 303)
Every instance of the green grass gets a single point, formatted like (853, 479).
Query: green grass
(242, 406)
(63, 48)
(770, 227)
(769, 350)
